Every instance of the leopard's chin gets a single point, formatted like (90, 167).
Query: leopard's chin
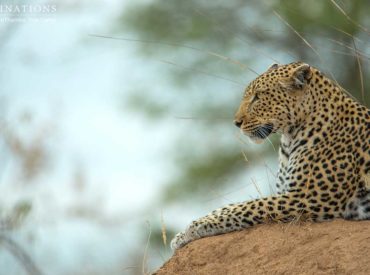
(260, 133)
(256, 140)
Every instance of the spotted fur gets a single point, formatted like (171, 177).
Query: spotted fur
(324, 152)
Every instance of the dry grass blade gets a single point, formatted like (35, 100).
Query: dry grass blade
(347, 54)
(238, 137)
(202, 72)
(360, 53)
(245, 156)
(226, 30)
(257, 187)
(145, 257)
(270, 184)
(202, 118)
(360, 71)
(297, 33)
(243, 66)
(304, 41)
(270, 217)
(268, 168)
(178, 45)
(129, 267)
(218, 195)
(347, 34)
(348, 17)
(163, 230)
(316, 52)
(223, 195)
(272, 145)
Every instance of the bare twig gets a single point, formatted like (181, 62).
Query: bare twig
(18, 252)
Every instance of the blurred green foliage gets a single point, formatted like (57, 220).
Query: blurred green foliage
(151, 109)
(14, 219)
(327, 34)
(250, 32)
(20, 212)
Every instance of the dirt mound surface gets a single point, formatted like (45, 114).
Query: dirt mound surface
(338, 247)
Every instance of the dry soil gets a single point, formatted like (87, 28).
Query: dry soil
(338, 247)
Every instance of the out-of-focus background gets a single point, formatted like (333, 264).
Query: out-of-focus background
(109, 146)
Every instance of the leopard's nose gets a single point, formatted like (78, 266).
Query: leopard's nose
(238, 123)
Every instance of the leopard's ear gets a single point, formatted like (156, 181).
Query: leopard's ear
(273, 67)
(301, 75)
(299, 78)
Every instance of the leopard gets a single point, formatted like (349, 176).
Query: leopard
(324, 153)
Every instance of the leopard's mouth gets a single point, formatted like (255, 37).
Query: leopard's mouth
(260, 133)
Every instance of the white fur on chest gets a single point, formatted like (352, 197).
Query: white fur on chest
(284, 146)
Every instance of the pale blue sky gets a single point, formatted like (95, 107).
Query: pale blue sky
(77, 82)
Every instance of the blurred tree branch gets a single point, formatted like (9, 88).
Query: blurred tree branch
(20, 254)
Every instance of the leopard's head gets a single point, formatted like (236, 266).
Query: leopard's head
(275, 101)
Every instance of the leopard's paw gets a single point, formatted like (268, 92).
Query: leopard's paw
(195, 230)
(178, 241)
